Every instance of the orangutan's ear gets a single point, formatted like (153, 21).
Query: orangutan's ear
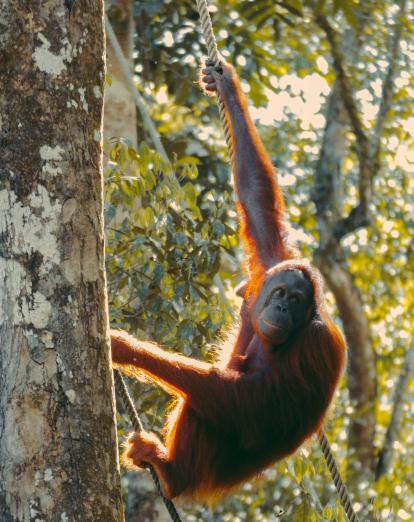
(241, 289)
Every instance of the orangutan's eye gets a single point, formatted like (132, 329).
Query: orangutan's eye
(277, 293)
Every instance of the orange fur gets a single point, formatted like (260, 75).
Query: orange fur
(256, 405)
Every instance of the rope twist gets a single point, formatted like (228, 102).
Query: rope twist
(137, 425)
(336, 477)
(213, 53)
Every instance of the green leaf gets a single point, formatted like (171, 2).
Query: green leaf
(188, 160)
(298, 469)
(328, 512)
(132, 154)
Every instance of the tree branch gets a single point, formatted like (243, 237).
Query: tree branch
(353, 114)
(357, 218)
(362, 370)
(387, 90)
(345, 83)
(326, 193)
(386, 454)
(328, 171)
(326, 196)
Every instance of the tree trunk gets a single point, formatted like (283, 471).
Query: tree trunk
(362, 380)
(330, 258)
(120, 112)
(142, 502)
(58, 456)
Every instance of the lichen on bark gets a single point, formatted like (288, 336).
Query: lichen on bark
(58, 457)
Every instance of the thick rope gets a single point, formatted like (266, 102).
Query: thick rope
(137, 425)
(336, 477)
(214, 55)
(323, 441)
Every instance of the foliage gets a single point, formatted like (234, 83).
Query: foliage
(163, 250)
(162, 253)
(171, 227)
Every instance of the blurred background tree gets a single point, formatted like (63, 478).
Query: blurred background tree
(331, 85)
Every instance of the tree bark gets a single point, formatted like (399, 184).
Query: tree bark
(387, 452)
(362, 374)
(58, 456)
(120, 111)
(362, 380)
(361, 377)
(143, 504)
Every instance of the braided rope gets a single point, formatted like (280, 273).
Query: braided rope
(323, 441)
(213, 53)
(137, 425)
(336, 477)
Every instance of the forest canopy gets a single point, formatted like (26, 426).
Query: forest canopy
(331, 86)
